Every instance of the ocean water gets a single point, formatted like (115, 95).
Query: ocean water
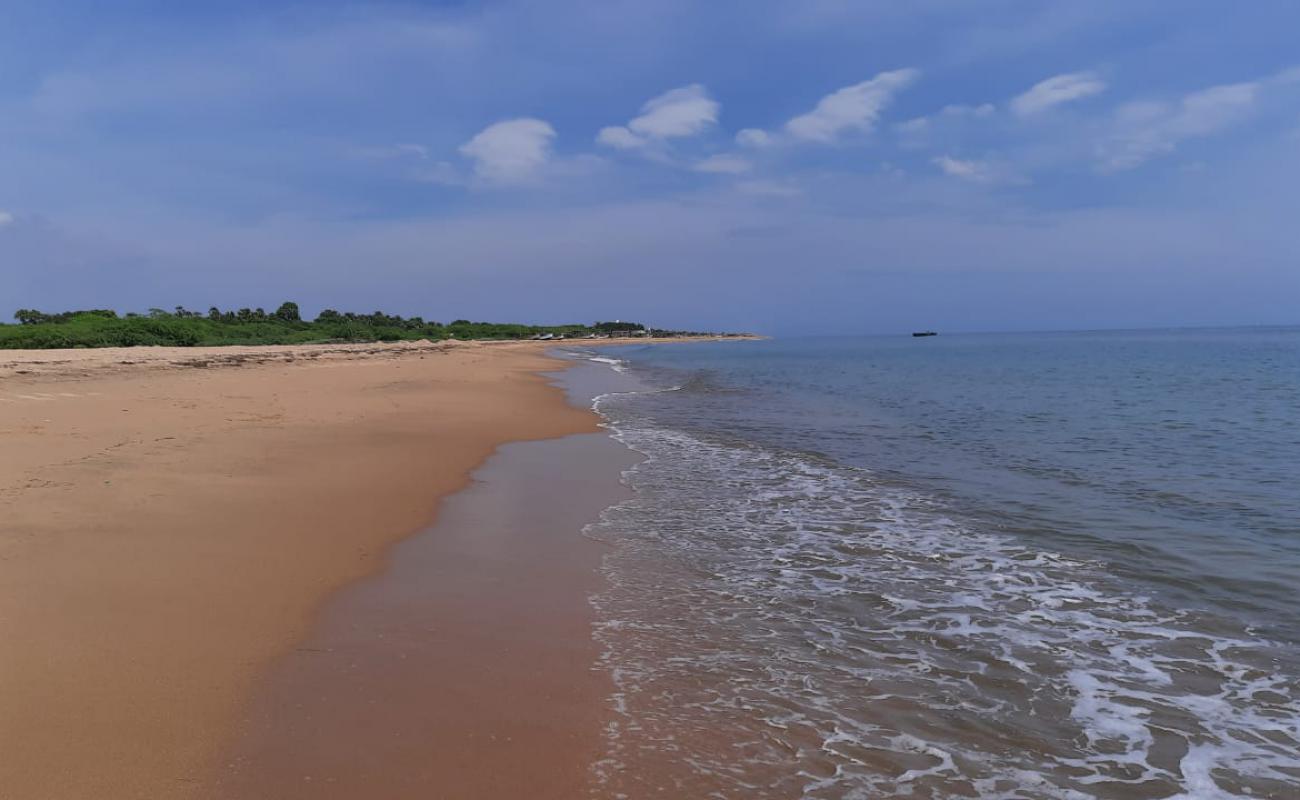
(988, 566)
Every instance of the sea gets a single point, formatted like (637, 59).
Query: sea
(1049, 565)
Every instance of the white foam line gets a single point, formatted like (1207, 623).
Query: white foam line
(741, 633)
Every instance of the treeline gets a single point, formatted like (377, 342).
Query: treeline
(182, 327)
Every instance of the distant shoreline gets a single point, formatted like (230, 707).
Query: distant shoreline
(80, 362)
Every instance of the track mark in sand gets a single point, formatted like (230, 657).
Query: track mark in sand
(40, 396)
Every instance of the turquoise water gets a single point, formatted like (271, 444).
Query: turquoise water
(1048, 565)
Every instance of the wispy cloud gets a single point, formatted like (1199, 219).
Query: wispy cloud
(853, 109)
(1057, 90)
(916, 132)
(753, 137)
(6, 218)
(990, 171)
(510, 152)
(682, 112)
(960, 168)
(1144, 130)
(620, 138)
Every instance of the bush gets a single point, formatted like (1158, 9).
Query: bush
(104, 328)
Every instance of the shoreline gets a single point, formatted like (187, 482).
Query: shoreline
(467, 668)
(81, 363)
(171, 529)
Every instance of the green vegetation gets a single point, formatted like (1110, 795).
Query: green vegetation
(184, 328)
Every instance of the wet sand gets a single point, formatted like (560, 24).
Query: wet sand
(464, 670)
(170, 527)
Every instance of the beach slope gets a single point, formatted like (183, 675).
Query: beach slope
(171, 520)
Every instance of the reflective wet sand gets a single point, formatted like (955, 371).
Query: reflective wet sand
(466, 669)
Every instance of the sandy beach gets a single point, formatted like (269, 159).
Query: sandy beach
(464, 669)
(172, 520)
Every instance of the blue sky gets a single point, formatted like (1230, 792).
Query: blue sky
(819, 166)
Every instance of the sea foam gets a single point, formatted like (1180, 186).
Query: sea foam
(780, 625)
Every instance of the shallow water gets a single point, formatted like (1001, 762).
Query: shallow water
(1061, 566)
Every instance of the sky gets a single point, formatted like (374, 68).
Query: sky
(821, 166)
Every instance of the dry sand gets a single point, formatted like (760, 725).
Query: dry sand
(169, 527)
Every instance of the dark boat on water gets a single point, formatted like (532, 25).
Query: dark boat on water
(925, 333)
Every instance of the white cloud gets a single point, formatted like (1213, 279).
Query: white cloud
(677, 113)
(6, 218)
(753, 137)
(620, 138)
(510, 152)
(724, 164)
(1144, 130)
(1057, 90)
(985, 171)
(853, 108)
(680, 112)
(967, 170)
(913, 127)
